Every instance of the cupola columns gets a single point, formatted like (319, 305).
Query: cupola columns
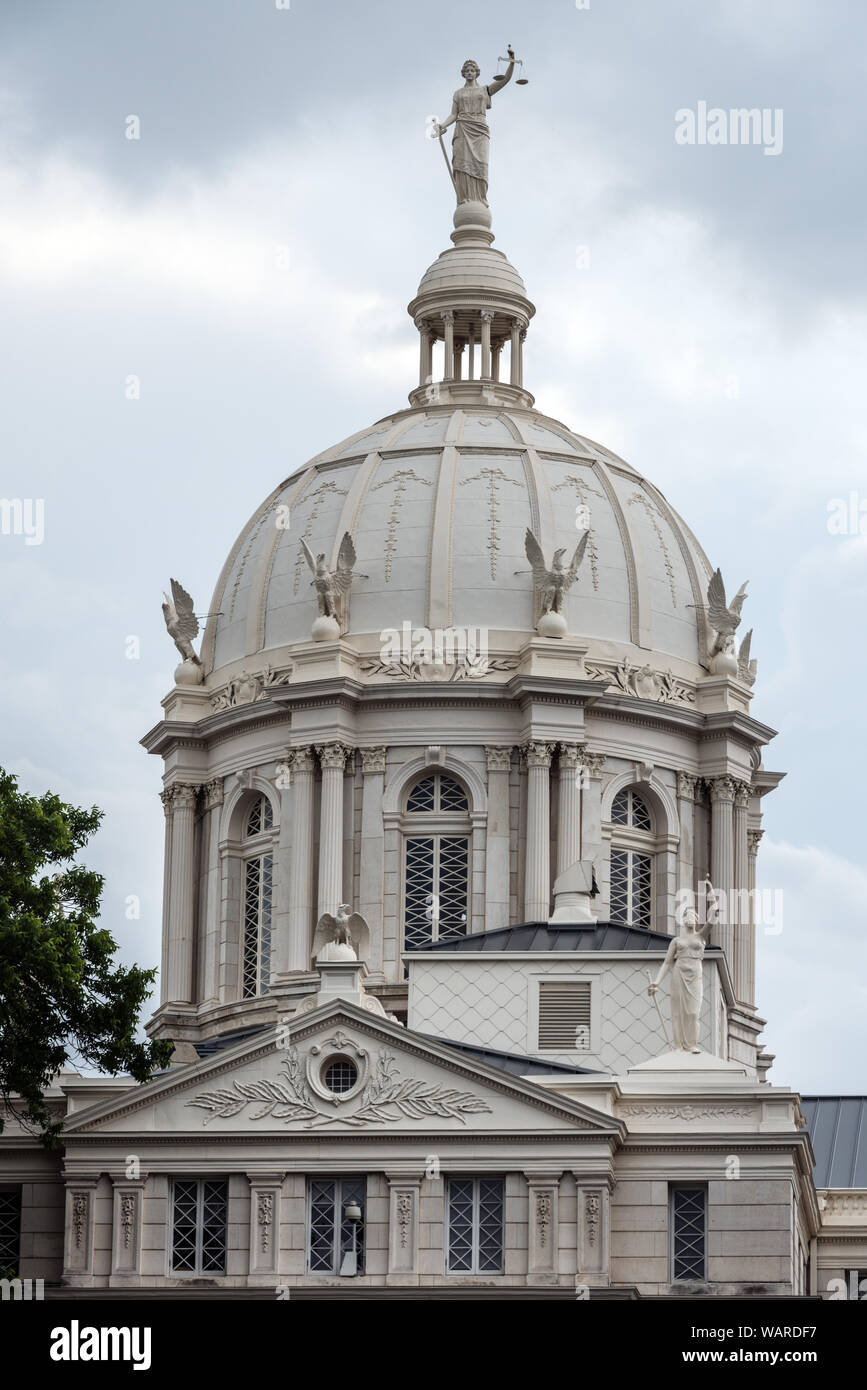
(179, 803)
(537, 892)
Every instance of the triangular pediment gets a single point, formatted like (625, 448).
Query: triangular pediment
(288, 1080)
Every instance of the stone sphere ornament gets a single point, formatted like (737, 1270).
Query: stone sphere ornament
(188, 673)
(552, 624)
(325, 629)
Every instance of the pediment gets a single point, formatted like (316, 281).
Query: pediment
(276, 1084)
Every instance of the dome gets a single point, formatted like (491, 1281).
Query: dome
(438, 501)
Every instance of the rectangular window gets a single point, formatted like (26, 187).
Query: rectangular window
(688, 1217)
(332, 1235)
(564, 1015)
(10, 1231)
(199, 1213)
(475, 1225)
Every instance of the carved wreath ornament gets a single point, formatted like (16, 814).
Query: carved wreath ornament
(383, 1100)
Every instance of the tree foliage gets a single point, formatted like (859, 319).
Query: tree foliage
(62, 996)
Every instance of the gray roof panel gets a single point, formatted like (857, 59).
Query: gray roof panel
(534, 937)
(838, 1133)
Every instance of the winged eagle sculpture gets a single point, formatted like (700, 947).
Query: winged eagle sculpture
(332, 585)
(346, 929)
(181, 621)
(725, 620)
(552, 585)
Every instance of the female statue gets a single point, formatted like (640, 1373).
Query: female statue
(684, 959)
(472, 139)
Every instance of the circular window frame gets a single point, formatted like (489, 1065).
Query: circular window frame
(336, 1049)
(338, 1059)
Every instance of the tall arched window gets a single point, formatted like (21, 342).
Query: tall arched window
(258, 872)
(632, 848)
(436, 885)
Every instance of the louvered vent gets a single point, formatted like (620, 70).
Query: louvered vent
(564, 1016)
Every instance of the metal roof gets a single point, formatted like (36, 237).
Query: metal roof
(212, 1045)
(838, 1133)
(511, 1062)
(538, 936)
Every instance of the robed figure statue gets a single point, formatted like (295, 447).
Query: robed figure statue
(472, 139)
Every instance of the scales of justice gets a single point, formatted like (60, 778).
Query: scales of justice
(468, 167)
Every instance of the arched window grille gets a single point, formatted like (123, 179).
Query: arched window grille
(436, 860)
(632, 848)
(258, 870)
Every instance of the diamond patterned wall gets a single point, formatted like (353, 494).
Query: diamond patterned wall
(487, 1004)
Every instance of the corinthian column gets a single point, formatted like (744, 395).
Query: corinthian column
(749, 978)
(332, 757)
(448, 318)
(300, 911)
(686, 785)
(537, 881)
(569, 806)
(499, 762)
(722, 795)
(182, 927)
(741, 917)
(371, 875)
(486, 317)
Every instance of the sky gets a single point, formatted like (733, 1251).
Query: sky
(191, 314)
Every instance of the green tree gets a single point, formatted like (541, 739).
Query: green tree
(61, 994)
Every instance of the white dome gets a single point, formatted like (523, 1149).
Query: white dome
(438, 501)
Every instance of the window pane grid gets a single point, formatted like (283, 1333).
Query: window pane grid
(256, 959)
(688, 1212)
(10, 1229)
(631, 888)
(199, 1217)
(475, 1216)
(331, 1234)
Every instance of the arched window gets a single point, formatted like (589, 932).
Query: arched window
(632, 848)
(258, 877)
(436, 860)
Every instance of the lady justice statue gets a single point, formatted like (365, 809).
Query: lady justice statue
(472, 139)
(684, 959)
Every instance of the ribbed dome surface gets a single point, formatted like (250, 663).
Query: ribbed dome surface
(476, 267)
(438, 501)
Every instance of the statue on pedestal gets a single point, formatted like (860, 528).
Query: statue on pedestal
(684, 959)
(472, 139)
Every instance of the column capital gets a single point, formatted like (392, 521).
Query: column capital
(486, 315)
(538, 754)
(686, 786)
(186, 795)
(300, 759)
(499, 759)
(333, 755)
(447, 315)
(753, 838)
(212, 793)
(373, 759)
(571, 755)
(423, 325)
(722, 788)
(593, 762)
(743, 792)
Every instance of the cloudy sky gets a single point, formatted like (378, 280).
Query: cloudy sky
(700, 310)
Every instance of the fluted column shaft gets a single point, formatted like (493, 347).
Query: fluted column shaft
(742, 932)
(448, 319)
(182, 927)
(537, 880)
(487, 316)
(496, 349)
(749, 980)
(515, 364)
(569, 807)
(425, 360)
(686, 788)
(332, 757)
(722, 793)
(300, 915)
(373, 763)
(499, 761)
